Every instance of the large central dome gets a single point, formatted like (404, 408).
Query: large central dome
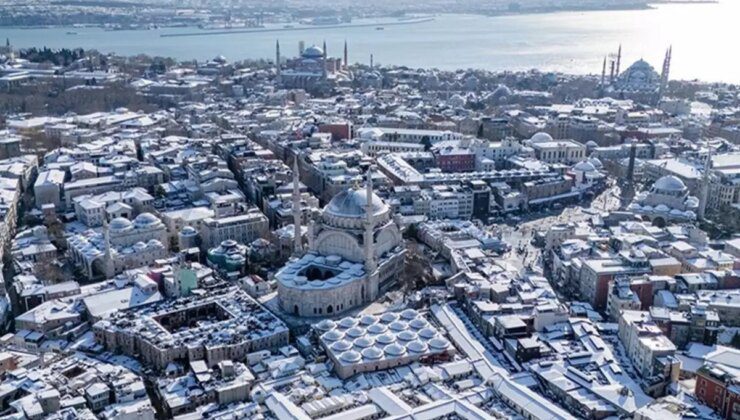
(352, 203)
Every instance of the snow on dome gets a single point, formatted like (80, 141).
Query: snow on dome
(342, 345)
(355, 332)
(372, 353)
(352, 203)
(676, 212)
(596, 162)
(395, 350)
(407, 336)
(409, 314)
(428, 333)
(326, 325)
(439, 343)
(347, 322)
(333, 335)
(385, 339)
(364, 342)
(584, 166)
(119, 224)
(418, 324)
(189, 230)
(368, 319)
(350, 356)
(541, 137)
(669, 183)
(634, 207)
(399, 326)
(647, 208)
(388, 317)
(662, 208)
(145, 219)
(417, 346)
(313, 51)
(377, 329)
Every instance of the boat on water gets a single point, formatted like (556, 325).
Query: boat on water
(71, 33)
(379, 28)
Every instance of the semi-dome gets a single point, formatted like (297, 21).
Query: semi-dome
(669, 183)
(352, 203)
(313, 51)
(119, 224)
(541, 137)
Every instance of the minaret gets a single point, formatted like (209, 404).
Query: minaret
(664, 75)
(705, 185)
(277, 60)
(346, 61)
(297, 216)
(603, 72)
(619, 59)
(323, 67)
(371, 61)
(370, 264)
(611, 72)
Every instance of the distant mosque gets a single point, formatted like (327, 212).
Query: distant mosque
(640, 82)
(313, 70)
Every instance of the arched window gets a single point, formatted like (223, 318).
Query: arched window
(329, 309)
(295, 309)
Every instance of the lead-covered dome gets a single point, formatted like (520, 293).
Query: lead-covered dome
(313, 52)
(120, 224)
(541, 137)
(669, 183)
(352, 204)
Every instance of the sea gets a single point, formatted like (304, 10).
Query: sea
(704, 37)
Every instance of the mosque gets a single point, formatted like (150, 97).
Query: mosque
(668, 200)
(640, 82)
(313, 71)
(122, 245)
(355, 251)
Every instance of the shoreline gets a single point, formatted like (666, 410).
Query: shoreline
(646, 6)
(303, 28)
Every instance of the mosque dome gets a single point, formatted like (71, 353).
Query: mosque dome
(352, 203)
(350, 356)
(584, 166)
(669, 183)
(146, 219)
(596, 162)
(313, 52)
(501, 91)
(541, 137)
(188, 231)
(372, 353)
(120, 224)
(377, 329)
